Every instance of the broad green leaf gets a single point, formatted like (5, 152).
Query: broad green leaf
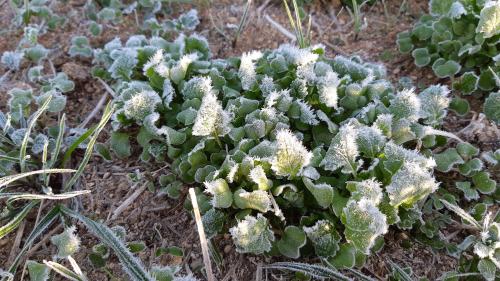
(410, 184)
(446, 160)
(37, 271)
(486, 267)
(252, 235)
(459, 106)
(290, 156)
(323, 193)
(467, 83)
(469, 193)
(292, 240)
(440, 7)
(221, 194)
(421, 56)
(367, 189)
(484, 183)
(120, 144)
(491, 107)
(345, 257)
(324, 238)
(257, 200)
(443, 68)
(364, 223)
(489, 19)
(343, 151)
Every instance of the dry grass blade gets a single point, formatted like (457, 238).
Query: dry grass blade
(201, 233)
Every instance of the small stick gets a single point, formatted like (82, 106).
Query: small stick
(201, 233)
(128, 201)
(94, 112)
(108, 88)
(17, 242)
(280, 28)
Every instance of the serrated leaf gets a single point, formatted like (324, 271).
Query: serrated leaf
(343, 151)
(290, 156)
(67, 242)
(467, 83)
(252, 235)
(410, 184)
(324, 238)
(364, 223)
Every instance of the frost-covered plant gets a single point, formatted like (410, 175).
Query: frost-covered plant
(286, 132)
(485, 243)
(458, 38)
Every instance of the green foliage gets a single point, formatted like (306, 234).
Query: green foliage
(278, 132)
(458, 38)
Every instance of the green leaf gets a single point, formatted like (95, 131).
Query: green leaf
(410, 184)
(421, 56)
(133, 267)
(345, 257)
(489, 20)
(290, 156)
(484, 183)
(323, 193)
(486, 267)
(443, 68)
(404, 42)
(120, 144)
(467, 150)
(459, 106)
(491, 107)
(440, 7)
(257, 200)
(222, 196)
(467, 83)
(252, 235)
(136, 246)
(324, 238)
(292, 240)
(364, 223)
(67, 242)
(471, 166)
(446, 160)
(367, 189)
(17, 219)
(37, 271)
(343, 151)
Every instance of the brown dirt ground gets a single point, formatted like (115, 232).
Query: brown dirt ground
(163, 222)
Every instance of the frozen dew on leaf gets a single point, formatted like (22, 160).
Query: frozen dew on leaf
(141, 104)
(67, 242)
(291, 156)
(246, 71)
(252, 235)
(211, 120)
(343, 151)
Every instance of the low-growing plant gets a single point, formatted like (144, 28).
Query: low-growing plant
(294, 151)
(484, 243)
(460, 40)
